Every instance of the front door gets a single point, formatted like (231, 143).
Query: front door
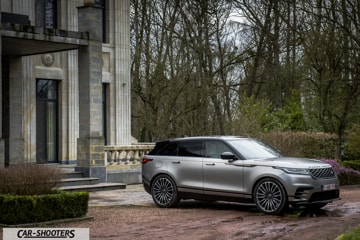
(220, 176)
(46, 121)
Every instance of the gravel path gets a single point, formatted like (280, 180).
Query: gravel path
(131, 214)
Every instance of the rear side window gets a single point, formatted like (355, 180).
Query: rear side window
(158, 147)
(191, 149)
(169, 150)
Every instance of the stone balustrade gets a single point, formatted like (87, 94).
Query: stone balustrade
(126, 157)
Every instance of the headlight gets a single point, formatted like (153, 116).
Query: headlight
(300, 171)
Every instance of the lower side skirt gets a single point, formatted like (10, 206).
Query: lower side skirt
(198, 194)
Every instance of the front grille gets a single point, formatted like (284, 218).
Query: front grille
(321, 173)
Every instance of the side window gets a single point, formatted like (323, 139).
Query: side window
(214, 149)
(191, 149)
(169, 150)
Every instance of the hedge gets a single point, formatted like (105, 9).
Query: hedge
(355, 164)
(303, 144)
(16, 209)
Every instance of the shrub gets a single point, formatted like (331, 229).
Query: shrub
(352, 142)
(347, 176)
(29, 179)
(352, 164)
(303, 144)
(27, 195)
(252, 117)
(41, 208)
(290, 117)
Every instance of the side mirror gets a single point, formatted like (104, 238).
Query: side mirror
(228, 156)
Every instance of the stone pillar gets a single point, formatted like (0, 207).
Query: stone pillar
(122, 73)
(90, 144)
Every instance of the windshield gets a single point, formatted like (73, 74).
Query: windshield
(254, 149)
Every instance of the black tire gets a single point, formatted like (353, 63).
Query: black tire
(164, 192)
(270, 196)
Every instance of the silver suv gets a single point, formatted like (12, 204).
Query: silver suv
(238, 170)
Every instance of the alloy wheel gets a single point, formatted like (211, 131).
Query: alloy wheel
(270, 196)
(164, 192)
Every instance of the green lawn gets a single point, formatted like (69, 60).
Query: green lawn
(351, 235)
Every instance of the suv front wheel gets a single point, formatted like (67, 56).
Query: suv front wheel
(270, 196)
(164, 192)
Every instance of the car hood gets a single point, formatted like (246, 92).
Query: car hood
(289, 162)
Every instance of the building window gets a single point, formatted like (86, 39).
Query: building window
(50, 9)
(46, 121)
(103, 5)
(46, 13)
(105, 110)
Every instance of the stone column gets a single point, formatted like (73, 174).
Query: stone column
(90, 144)
(122, 83)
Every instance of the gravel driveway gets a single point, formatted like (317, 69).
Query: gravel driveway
(131, 214)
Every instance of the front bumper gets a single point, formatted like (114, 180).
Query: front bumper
(317, 197)
(306, 190)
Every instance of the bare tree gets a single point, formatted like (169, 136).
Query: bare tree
(180, 68)
(331, 54)
(193, 67)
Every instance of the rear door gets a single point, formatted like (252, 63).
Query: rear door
(187, 167)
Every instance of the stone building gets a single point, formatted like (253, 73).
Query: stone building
(65, 81)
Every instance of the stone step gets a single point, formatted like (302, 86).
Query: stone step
(94, 187)
(78, 181)
(73, 174)
(75, 181)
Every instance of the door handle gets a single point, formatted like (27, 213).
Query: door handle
(210, 164)
(178, 162)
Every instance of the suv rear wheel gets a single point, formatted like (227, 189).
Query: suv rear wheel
(164, 192)
(270, 196)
